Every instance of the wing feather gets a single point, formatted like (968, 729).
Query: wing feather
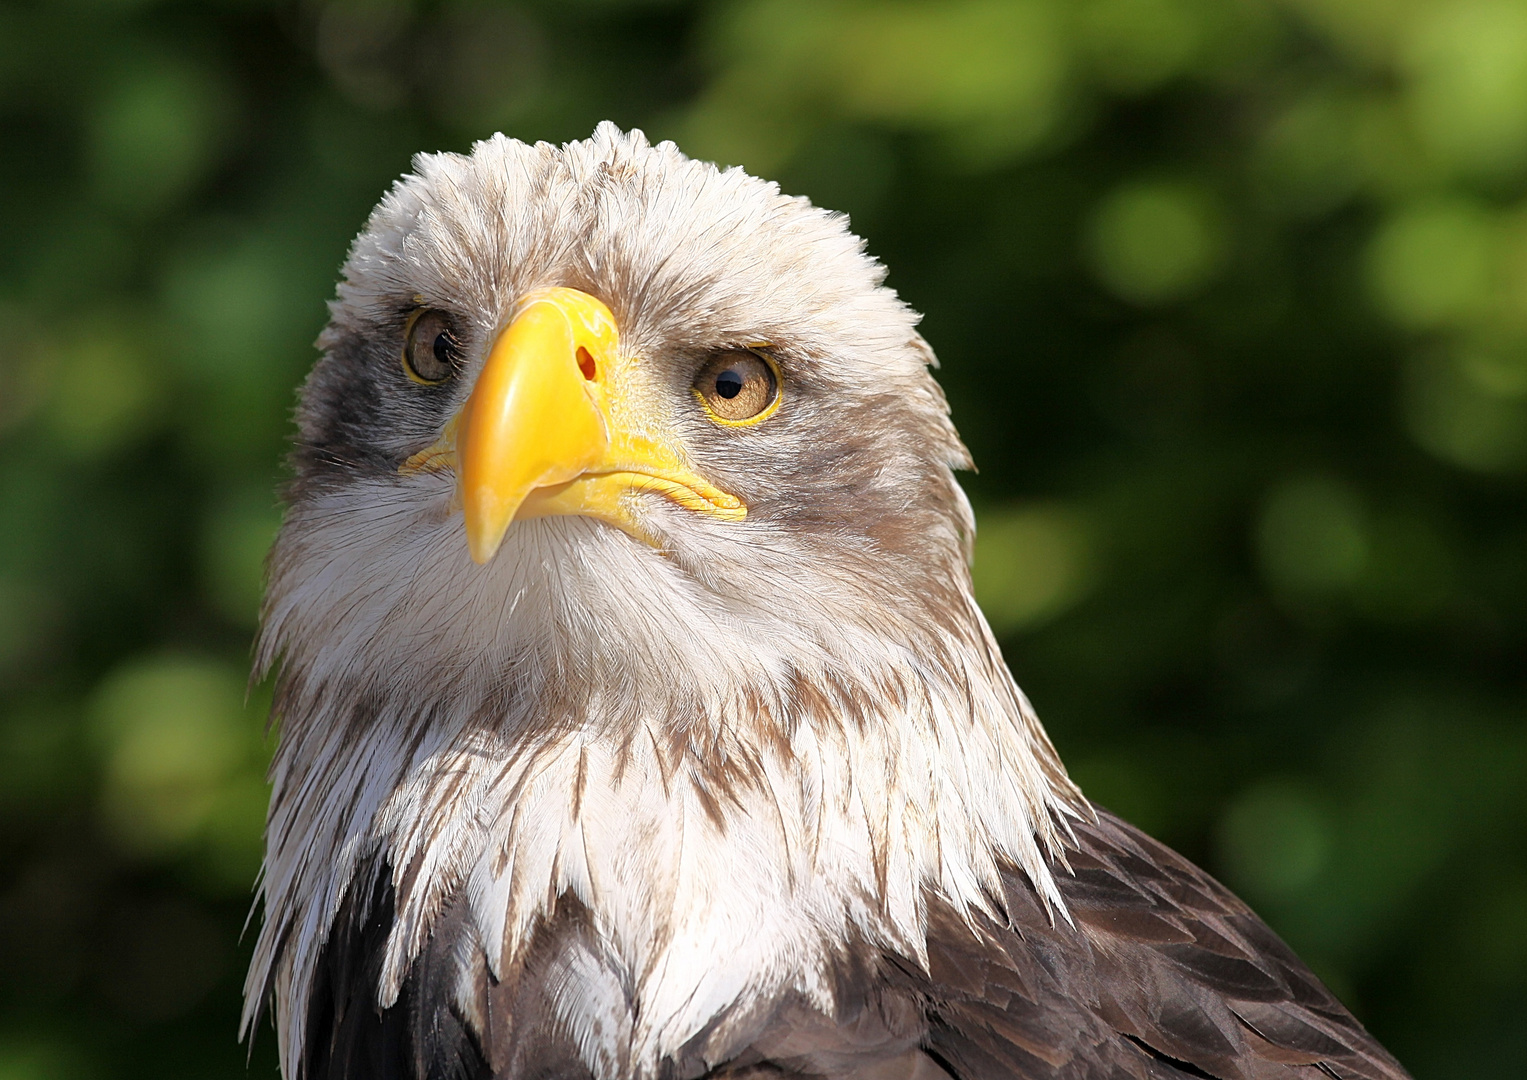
(1163, 973)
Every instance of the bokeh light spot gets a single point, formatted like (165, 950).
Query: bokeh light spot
(1274, 840)
(1031, 564)
(1468, 94)
(1462, 419)
(1135, 45)
(157, 134)
(1432, 264)
(1312, 536)
(986, 71)
(1310, 159)
(1154, 242)
(172, 731)
(104, 392)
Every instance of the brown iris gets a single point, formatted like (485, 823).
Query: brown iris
(738, 386)
(431, 350)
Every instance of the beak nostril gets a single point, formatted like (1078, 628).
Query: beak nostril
(586, 364)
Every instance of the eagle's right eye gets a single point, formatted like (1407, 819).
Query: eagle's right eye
(431, 350)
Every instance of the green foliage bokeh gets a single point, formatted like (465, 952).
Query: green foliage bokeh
(1231, 300)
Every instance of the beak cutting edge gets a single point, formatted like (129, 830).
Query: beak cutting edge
(552, 427)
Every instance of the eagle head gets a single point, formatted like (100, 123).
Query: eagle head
(603, 420)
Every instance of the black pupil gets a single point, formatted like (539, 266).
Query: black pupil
(444, 347)
(729, 383)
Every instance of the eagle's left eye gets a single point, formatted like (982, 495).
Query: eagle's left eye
(431, 350)
(738, 386)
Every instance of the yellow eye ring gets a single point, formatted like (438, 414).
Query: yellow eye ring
(739, 387)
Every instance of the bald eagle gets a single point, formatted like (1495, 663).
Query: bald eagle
(636, 716)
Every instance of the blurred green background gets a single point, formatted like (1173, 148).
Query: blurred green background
(1231, 297)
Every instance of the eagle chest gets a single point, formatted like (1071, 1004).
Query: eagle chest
(592, 913)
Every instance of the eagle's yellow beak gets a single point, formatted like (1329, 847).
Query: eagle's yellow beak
(552, 428)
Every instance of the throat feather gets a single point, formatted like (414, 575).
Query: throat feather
(785, 831)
